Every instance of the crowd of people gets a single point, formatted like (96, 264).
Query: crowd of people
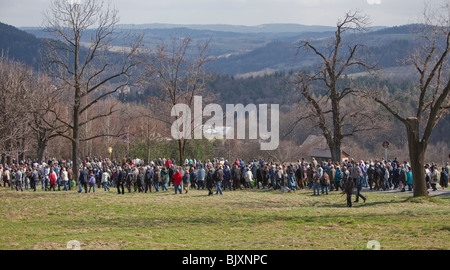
(217, 176)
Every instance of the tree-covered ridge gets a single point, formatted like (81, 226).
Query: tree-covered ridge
(20, 45)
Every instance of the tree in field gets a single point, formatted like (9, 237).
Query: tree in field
(327, 89)
(83, 63)
(431, 62)
(176, 70)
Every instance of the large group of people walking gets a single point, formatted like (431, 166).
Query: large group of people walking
(217, 176)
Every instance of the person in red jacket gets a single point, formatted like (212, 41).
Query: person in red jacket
(177, 181)
(52, 179)
(168, 163)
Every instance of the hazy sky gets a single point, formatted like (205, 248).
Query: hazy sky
(237, 12)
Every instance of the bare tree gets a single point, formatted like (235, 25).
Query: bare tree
(41, 105)
(16, 81)
(177, 71)
(431, 61)
(334, 120)
(83, 63)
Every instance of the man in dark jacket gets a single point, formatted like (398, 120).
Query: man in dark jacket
(378, 177)
(171, 173)
(148, 180)
(219, 179)
(236, 176)
(370, 174)
(264, 175)
(140, 180)
(255, 169)
(209, 180)
(121, 180)
(348, 190)
(193, 178)
(83, 179)
(258, 176)
(299, 175)
(227, 178)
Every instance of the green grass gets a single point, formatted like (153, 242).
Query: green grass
(238, 220)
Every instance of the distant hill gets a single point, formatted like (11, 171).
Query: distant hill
(20, 45)
(263, 28)
(239, 50)
(385, 47)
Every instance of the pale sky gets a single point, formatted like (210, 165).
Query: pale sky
(21, 13)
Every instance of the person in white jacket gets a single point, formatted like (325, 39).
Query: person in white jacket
(64, 178)
(105, 180)
(248, 176)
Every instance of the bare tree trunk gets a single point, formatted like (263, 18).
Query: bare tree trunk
(336, 153)
(42, 145)
(182, 147)
(417, 151)
(337, 127)
(75, 141)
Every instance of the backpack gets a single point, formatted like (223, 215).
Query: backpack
(325, 180)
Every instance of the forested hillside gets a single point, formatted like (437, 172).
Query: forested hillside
(20, 45)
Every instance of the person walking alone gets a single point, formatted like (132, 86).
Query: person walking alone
(348, 190)
(359, 185)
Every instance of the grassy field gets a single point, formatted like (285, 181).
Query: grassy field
(237, 220)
